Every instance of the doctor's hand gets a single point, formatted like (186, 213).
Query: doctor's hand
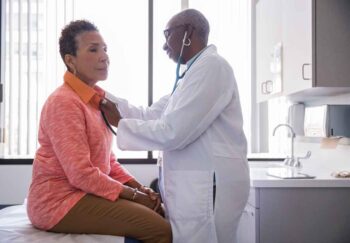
(111, 111)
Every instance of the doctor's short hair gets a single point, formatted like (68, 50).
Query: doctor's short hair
(67, 41)
(197, 20)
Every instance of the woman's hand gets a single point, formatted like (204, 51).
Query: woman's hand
(145, 200)
(142, 191)
(153, 195)
(133, 194)
(111, 111)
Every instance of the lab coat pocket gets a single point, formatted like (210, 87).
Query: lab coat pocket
(225, 150)
(190, 194)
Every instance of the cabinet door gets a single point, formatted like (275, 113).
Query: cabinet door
(332, 39)
(248, 228)
(297, 45)
(268, 35)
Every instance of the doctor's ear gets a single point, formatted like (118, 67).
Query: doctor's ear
(189, 30)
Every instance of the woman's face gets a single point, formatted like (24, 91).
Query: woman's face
(91, 61)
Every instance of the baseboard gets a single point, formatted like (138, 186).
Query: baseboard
(4, 206)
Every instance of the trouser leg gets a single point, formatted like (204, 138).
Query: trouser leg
(95, 215)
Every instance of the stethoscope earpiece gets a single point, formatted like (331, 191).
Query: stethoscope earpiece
(184, 41)
(178, 76)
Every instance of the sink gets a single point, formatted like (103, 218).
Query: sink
(287, 173)
(264, 165)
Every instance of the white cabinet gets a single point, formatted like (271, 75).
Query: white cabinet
(268, 35)
(314, 35)
(297, 45)
(248, 229)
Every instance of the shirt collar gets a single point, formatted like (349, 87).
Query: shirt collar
(85, 92)
(191, 61)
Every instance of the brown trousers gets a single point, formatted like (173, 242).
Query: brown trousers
(95, 215)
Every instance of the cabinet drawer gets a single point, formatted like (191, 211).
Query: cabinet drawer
(253, 198)
(248, 228)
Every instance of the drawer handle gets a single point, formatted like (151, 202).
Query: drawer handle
(269, 86)
(263, 87)
(266, 87)
(303, 70)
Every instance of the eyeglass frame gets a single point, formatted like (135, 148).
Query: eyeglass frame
(167, 32)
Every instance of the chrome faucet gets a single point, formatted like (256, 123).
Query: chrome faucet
(290, 161)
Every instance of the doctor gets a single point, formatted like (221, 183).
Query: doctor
(204, 176)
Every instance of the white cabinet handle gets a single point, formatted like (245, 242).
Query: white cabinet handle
(269, 86)
(266, 87)
(263, 87)
(303, 70)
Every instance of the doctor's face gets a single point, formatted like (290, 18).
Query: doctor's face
(173, 34)
(91, 60)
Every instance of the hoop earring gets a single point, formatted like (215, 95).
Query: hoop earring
(188, 42)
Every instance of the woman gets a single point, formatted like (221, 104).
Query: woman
(78, 186)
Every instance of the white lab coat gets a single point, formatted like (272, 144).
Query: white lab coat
(199, 131)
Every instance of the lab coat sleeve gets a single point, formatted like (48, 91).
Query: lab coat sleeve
(204, 95)
(128, 110)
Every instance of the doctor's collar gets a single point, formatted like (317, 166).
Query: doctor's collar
(193, 59)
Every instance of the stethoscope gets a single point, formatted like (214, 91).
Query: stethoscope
(103, 101)
(178, 77)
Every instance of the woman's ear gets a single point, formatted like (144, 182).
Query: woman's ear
(69, 60)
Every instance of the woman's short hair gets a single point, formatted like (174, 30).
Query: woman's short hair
(67, 41)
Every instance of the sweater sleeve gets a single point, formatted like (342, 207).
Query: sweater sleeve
(65, 124)
(118, 172)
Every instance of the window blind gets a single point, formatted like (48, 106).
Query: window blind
(31, 68)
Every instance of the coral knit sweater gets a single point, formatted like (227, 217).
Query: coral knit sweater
(74, 157)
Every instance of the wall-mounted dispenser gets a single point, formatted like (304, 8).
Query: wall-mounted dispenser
(327, 121)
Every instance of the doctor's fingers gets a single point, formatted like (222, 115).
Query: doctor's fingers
(108, 105)
(111, 112)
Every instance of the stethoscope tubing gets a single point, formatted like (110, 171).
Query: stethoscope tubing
(107, 123)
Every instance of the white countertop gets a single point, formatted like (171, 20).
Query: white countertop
(323, 177)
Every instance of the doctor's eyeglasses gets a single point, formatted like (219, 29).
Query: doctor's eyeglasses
(167, 32)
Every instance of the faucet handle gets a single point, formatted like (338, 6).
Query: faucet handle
(308, 155)
(297, 163)
(288, 161)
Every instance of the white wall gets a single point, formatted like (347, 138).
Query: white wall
(328, 157)
(15, 180)
(14, 183)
